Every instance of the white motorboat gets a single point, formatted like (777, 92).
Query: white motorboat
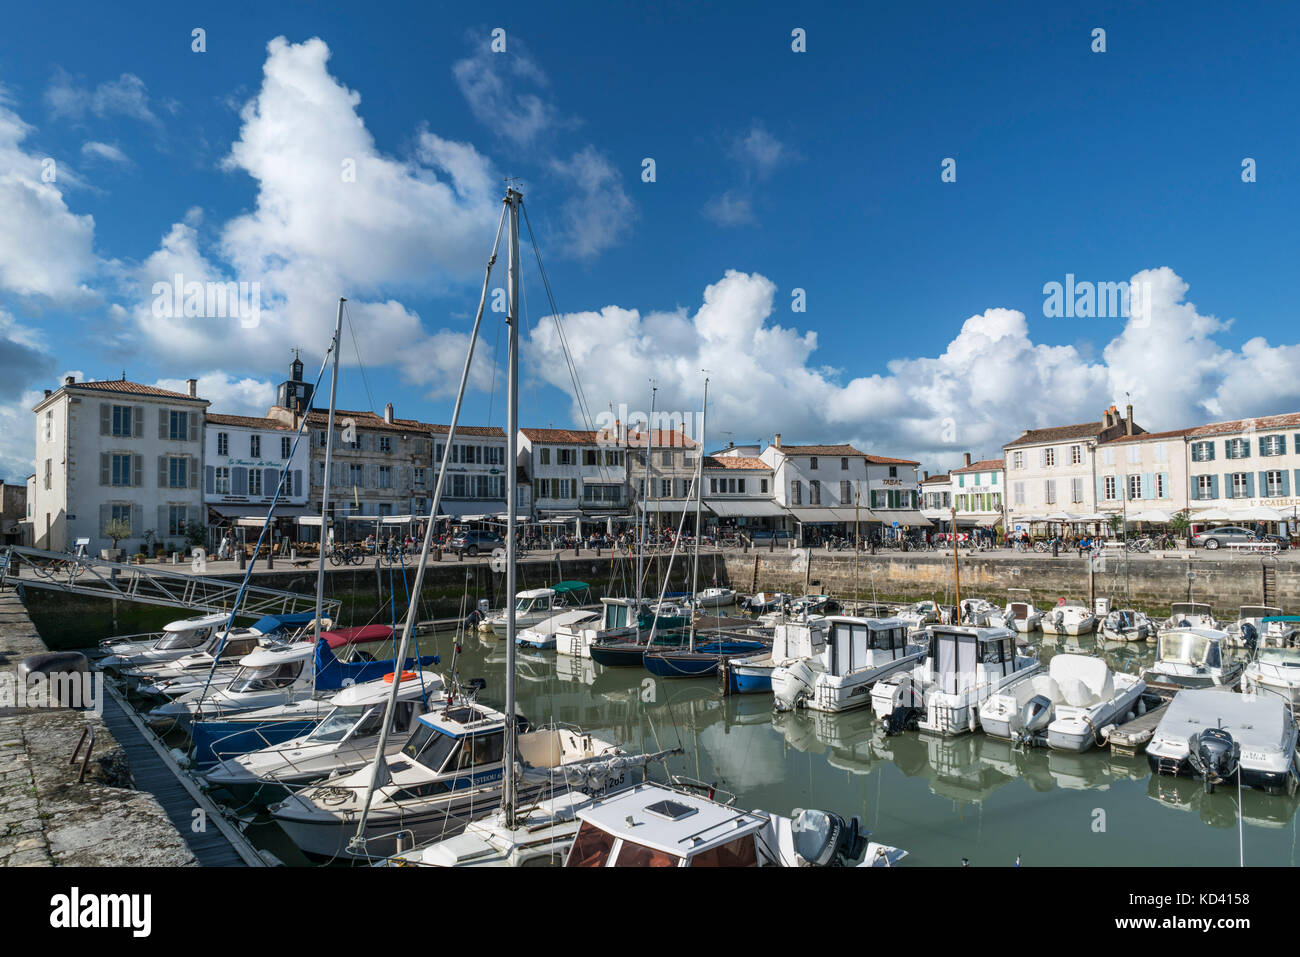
(448, 772)
(978, 613)
(1190, 614)
(1070, 617)
(1193, 658)
(714, 598)
(1221, 737)
(544, 633)
(766, 601)
(538, 604)
(1253, 615)
(653, 825)
(1068, 708)
(963, 666)
(856, 654)
(792, 642)
(176, 640)
(344, 740)
(917, 615)
(178, 677)
(1127, 624)
(619, 621)
(1274, 669)
(1020, 612)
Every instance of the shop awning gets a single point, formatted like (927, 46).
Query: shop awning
(467, 509)
(910, 517)
(259, 511)
(978, 519)
(832, 516)
(730, 508)
(670, 505)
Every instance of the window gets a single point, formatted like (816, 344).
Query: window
(1273, 487)
(665, 488)
(178, 429)
(1108, 488)
(322, 438)
(1134, 487)
(544, 456)
(666, 459)
(122, 421)
(796, 492)
(814, 492)
(418, 478)
(1018, 492)
(1017, 460)
(494, 455)
(1202, 451)
(223, 443)
(120, 513)
(1240, 484)
(357, 475)
(176, 520)
(844, 463)
(385, 476)
(1161, 490)
(121, 465)
(1134, 453)
(1205, 486)
(1236, 449)
(222, 478)
(812, 462)
(1272, 445)
(286, 446)
(846, 492)
(254, 481)
(49, 472)
(255, 446)
(1107, 456)
(763, 486)
(566, 457)
(1049, 491)
(589, 457)
(1076, 456)
(893, 471)
(386, 443)
(49, 425)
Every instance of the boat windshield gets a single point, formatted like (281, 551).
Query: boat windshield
(532, 604)
(591, 847)
(336, 725)
(266, 678)
(1287, 657)
(174, 640)
(1184, 648)
(430, 747)
(631, 854)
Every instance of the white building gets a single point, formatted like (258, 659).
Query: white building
(117, 450)
(1143, 472)
(243, 459)
(740, 492)
(978, 491)
(1247, 468)
(575, 473)
(936, 498)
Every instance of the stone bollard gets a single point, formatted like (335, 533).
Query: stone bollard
(176, 558)
(460, 555)
(243, 559)
(56, 669)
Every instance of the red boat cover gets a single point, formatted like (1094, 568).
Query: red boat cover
(353, 636)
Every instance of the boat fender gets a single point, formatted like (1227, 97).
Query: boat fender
(406, 676)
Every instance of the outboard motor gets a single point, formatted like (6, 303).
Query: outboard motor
(791, 684)
(1249, 637)
(1035, 716)
(1213, 755)
(902, 719)
(823, 839)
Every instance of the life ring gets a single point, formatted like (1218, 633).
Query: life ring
(406, 676)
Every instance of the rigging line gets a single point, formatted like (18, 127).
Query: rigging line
(347, 314)
(496, 351)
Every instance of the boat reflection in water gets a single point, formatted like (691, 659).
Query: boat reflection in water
(1258, 808)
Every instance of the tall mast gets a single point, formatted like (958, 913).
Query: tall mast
(399, 658)
(640, 552)
(325, 480)
(956, 572)
(699, 494)
(513, 199)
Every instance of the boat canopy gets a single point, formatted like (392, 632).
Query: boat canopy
(198, 621)
(1288, 619)
(1258, 722)
(269, 624)
(853, 639)
(566, 588)
(1190, 608)
(1191, 646)
(357, 636)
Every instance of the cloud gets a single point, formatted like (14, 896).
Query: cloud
(762, 152)
(599, 213)
(32, 206)
(332, 216)
(105, 151)
(490, 83)
(731, 209)
(125, 96)
(228, 395)
(991, 381)
(759, 154)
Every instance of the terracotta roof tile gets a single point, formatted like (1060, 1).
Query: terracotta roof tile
(985, 465)
(1058, 433)
(133, 388)
(248, 422)
(735, 462)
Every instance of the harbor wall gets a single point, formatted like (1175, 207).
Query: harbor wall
(1151, 582)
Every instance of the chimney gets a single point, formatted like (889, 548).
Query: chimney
(1128, 422)
(69, 380)
(777, 441)
(47, 393)
(966, 456)
(1105, 418)
(924, 476)
(193, 386)
(388, 413)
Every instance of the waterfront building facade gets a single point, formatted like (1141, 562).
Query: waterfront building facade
(574, 473)
(244, 457)
(977, 491)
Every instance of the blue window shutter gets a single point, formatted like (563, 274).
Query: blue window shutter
(1250, 483)
(1165, 485)
(209, 479)
(1101, 488)
(1211, 445)
(1214, 486)
(297, 482)
(1263, 449)
(239, 480)
(269, 478)
(1286, 483)
(1148, 485)
(961, 481)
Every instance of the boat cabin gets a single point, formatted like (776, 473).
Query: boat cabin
(463, 739)
(1190, 611)
(562, 595)
(190, 632)
(962, 655)
(799, 639)
(862, 644)
(653, 826)
(1193, 647)
(1280, 630)
(358, 710)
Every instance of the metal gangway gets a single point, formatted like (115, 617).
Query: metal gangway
(82, 575)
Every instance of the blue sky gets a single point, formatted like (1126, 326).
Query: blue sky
(924, 331)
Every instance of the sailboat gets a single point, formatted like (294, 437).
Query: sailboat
(699, 659)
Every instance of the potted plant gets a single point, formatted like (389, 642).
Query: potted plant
(116, 529)
(1180, 524)
(196, 535)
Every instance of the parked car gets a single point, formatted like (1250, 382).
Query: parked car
(471, 543)
(1225, 535)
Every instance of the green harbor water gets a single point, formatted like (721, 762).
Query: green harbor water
(942, 799)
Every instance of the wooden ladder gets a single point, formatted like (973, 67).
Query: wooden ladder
(1270, 582)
